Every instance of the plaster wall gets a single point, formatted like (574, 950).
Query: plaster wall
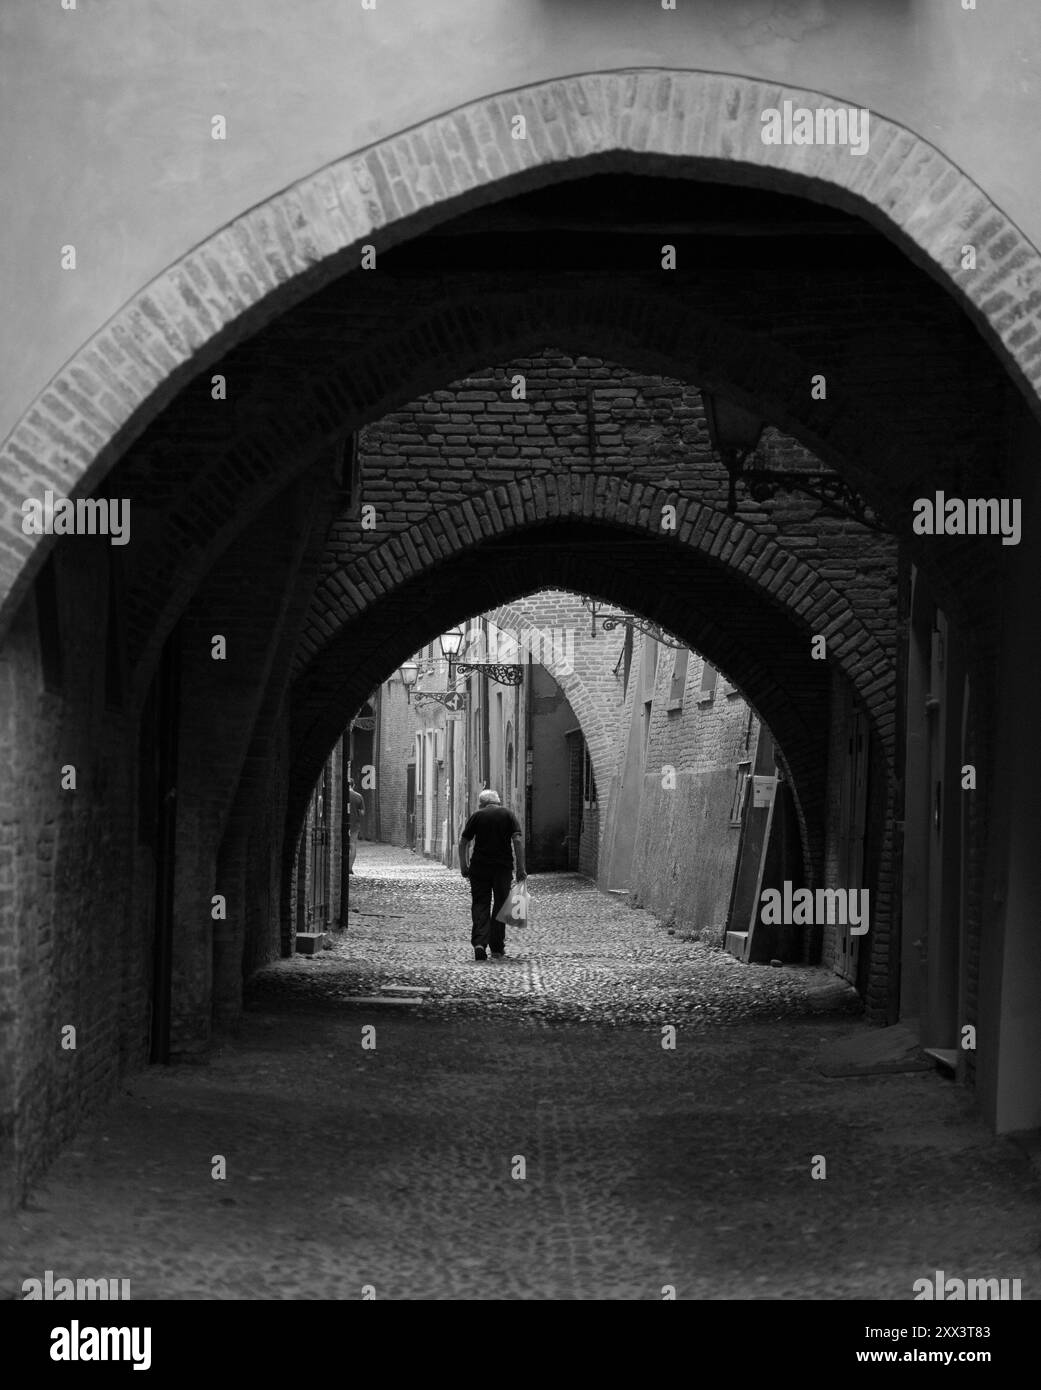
(105, 132)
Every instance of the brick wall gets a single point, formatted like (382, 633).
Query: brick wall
(74, 951)
(858, 332)
(589, 842)
(686, 846)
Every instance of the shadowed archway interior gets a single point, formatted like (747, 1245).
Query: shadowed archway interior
(693, 596)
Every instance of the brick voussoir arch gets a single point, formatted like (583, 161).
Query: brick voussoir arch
(477, 333)
(318, 727)
(624, 328)
(640, 120)
(594, 730)
(780, 578)
(789, 693)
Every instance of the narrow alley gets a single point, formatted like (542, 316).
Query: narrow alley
(519, 1130)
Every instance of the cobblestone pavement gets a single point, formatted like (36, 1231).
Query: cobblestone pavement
(587, 956)
(398, 1166)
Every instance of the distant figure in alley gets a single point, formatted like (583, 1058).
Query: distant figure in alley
(495, 835)
(355, 816)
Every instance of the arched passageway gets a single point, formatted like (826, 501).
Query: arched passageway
(250, 523)
(684, 124)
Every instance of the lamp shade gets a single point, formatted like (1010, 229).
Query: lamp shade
(730, 426)
(452, 640)
(408, 673)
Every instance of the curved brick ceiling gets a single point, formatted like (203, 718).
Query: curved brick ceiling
(681, 123)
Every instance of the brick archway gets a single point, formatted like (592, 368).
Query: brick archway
(579, 697)
(439, 342)
(680, 123)
(778, 576)
(728, 592)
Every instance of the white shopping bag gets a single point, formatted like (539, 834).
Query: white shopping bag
(516, 910)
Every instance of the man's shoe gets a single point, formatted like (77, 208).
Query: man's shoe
(480, 953)
(499, 954)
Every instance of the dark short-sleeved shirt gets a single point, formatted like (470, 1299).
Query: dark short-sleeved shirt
(492, 829)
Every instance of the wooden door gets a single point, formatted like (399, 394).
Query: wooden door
(410, 805)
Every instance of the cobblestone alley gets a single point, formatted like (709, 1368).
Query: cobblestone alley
(644, 1167)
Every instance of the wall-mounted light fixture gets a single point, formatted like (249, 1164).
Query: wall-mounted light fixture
(451, 699)
(735, 433)
(504, 672)
(452, 642)
(451, 645)
(628, 621)
(409, 673)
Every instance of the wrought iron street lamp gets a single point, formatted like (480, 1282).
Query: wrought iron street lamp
(504, 672)
(627, 620)
(647, 629)
(454, 700)
(451, 645)
(409, 673)
(735, 433)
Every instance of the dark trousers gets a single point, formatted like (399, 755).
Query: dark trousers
(489, 889)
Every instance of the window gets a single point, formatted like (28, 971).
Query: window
(588, 779)
(419, 764)
(679, 680)
(709, 675)
(741, 781)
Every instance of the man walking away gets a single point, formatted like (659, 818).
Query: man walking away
(355, 816)
(496, 837)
